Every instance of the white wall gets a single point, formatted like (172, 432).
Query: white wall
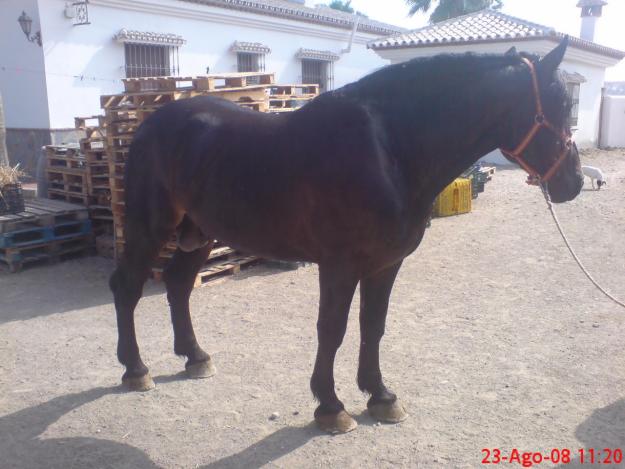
(22, 73)
(613, 131)
(90, 51)
(591, 66)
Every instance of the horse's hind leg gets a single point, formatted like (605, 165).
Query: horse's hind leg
(374, 296)
(337, 287)
(142, 246)
(179, 277)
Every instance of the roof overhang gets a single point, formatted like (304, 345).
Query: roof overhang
(554, 37)
(596, 56)
(128, 36)
(250, 47)
(317, 55)
(540, 46)
(300, 12)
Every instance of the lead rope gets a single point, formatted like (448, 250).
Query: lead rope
(543, 187)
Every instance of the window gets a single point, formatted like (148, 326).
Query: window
(573, 82)
(573, 89)
(251, 62)
(318, 72)
(151, 60)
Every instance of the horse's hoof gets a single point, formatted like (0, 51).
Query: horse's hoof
(201, 370)
(336, 423)
(138, 383)
(391, 412)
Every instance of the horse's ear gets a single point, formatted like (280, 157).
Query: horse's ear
(550, 62)
(512, 51)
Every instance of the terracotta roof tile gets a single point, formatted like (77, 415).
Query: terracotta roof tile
(483, 26)
(298, 12)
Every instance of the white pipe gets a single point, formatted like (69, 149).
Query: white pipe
(351, 37)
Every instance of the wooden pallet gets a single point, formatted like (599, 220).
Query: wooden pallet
(215, 268)
(92, 144)
(125, 112)
(68, 151)
(95, 156)
(90, 122)
(41, 234)
(144, 103)
(69, 197)
(42, 212)
(304, 91)
(219, 253)
(64, 157)
(49, 251)
(198, 83)
(229, 267)
(67, 180)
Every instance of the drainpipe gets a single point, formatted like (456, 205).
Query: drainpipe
(600, 133)
(351, 37)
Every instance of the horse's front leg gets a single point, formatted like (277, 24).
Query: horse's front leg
(374, 296)
(337, 285)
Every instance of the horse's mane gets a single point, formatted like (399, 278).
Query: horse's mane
(441, 62)
(419, 75)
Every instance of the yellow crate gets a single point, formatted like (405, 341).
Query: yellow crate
(455, 199)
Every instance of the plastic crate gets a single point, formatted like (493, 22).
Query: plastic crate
(454, 199)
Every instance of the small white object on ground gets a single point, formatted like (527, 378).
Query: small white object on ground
(595, 174)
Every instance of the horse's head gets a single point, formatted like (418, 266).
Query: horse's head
(539, 137)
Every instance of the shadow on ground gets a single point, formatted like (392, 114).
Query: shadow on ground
(77, 284)
(270, 448)
(58, 288)
(605, 428)
(21, 444)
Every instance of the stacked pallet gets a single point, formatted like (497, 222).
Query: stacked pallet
(80, 173)
(287, 98)
(47, 230)
(479, 176)
(142, 96)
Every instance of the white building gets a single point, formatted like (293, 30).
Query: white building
(492, 32)
(61, 68)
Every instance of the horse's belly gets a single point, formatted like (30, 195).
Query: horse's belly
(276, 235)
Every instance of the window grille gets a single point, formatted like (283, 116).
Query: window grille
(573, 90)
(250, 62)
(147, 60)
(320, 72)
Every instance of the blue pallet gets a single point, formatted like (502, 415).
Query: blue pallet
(52, 251)
(75, 228)
(26, 237)
(41, 235)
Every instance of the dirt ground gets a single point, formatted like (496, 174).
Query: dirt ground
(494, 340)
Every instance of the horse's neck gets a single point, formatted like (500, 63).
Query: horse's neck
(436, 134)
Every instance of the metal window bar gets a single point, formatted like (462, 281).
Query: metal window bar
(147, 60)
(573, 90)
(251, 62)
(320, 72)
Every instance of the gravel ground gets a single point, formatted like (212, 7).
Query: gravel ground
(494, 340)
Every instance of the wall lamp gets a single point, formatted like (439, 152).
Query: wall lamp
(26, 23)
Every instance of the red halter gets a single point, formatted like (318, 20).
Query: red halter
(540, 121)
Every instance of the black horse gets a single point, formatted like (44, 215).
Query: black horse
(347, 182)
